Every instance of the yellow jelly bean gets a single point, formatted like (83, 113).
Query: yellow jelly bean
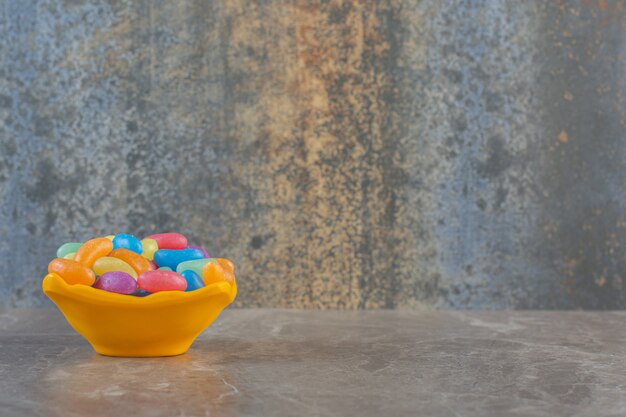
(149, 247)
(109, 263)
(110, 237)
(70, 256)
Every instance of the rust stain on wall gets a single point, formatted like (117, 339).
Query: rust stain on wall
(323, 105)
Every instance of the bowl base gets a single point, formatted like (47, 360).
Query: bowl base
(141, 352)
(163, 324)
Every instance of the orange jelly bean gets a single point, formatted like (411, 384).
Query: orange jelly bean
(93, 249)
(72, 272)
(226, 264)
(213, 272)
(135, 260)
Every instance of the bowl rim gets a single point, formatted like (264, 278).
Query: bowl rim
(54, 284)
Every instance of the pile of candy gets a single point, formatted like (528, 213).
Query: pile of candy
(124, 264)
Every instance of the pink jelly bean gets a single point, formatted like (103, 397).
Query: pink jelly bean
(201, 249)
(161, 280)
(169, 240)
(154, 266)
(116, 281)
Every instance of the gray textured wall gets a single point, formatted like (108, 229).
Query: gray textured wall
(400, 154)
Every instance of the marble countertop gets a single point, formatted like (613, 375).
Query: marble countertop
(318, 363)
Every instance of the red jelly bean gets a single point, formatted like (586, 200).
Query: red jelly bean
(169, 240)
(160, 280)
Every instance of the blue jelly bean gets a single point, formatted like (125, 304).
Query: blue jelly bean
(129, 242)
(172, 257)
(206, 254)
(165, 268)
(193, 280)
(141, 293)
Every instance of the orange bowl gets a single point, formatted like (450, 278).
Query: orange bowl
(161, 324)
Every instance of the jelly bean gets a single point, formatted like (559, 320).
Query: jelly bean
(92, 250)
(172, 257)
(204, 252)
(155, 281)
(195, 265)
(229, 269)
(116, 281)
(229, 277)
(130, 242)
(72, 272)
(149, 247)
(226, 264)
(70, 247)
(170, 240)
(136, 261)
(193, 280)
(108, 264)
(123, 264)
(212, 273)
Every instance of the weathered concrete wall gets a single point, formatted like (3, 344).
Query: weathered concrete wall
(400, 154)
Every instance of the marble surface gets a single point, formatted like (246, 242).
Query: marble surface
(362, 154)
(325, 363)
